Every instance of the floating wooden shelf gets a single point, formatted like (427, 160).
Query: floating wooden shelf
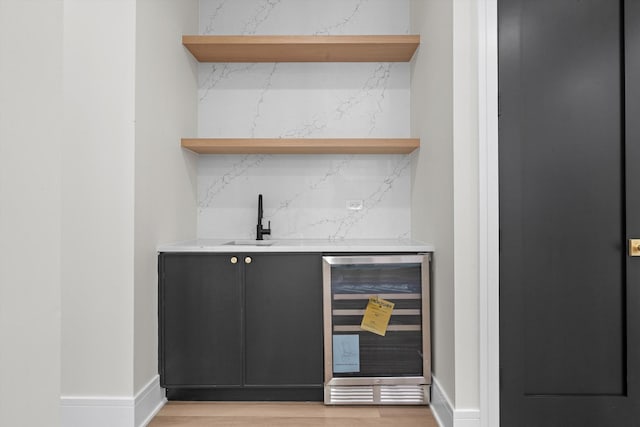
(301, 145)
(393, 48)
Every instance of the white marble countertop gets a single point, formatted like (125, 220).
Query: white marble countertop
(298, 245)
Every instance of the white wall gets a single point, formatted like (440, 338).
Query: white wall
(165, 174)
(129, 95)
(445, 190)
(432, 189)
(304, 196)
(30, 139)
(98, 198)
(465, 193)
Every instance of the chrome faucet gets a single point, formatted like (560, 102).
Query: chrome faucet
(259, 230)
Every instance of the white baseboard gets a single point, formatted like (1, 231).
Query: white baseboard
(466, 418)
(441, 405)
(149, 401)
(444, 412)
(104, 411)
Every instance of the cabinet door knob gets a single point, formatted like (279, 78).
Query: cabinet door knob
(248, 260)
(234, 259)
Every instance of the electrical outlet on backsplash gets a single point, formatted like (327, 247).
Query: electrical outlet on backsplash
(304, 195)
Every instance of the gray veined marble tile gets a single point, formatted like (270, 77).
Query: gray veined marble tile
(304, 100)
(215, 75)
(305, 196)
(320, 17)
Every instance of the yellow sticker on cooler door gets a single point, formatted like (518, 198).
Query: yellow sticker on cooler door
(377, 315)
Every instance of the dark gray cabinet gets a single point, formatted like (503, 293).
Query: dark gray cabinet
(240, 326)
(200, 321)
(283, 303)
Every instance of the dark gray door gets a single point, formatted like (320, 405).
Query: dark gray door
(569, 138)
(200, 320)
(284, 321)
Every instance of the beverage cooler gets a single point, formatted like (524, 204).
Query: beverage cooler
(376, 329)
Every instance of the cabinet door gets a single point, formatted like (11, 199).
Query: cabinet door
(284, 320)
(200, 320)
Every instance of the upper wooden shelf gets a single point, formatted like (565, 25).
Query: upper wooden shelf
(393, 48)
(301, 145)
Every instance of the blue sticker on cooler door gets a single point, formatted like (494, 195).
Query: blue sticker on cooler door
(346, 353)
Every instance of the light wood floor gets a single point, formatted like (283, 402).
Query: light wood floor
(200, 414)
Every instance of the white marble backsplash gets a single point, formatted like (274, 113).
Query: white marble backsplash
(305, 196)
(304, 17)
(298, 100)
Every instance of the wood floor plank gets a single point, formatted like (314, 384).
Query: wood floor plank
(293, 421)
(260, 409)
(404, 411)
(266, 414)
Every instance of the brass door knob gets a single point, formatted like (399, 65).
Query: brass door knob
(234, 260)
(634, 247)
(248, 260)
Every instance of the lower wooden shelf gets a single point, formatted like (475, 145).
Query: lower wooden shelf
(301, 145)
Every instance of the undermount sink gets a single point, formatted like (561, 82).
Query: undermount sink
(250, 243)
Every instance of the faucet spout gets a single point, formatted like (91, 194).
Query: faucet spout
(260, 231)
